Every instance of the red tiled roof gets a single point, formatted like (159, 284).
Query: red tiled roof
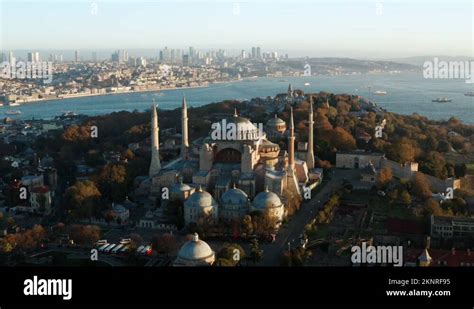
(451, 258)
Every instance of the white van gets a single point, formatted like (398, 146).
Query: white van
(116, 249)
(139, 249)
(101, 248)
(109, 248)
(101, 242)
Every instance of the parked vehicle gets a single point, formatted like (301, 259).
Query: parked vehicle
(125, 241)
(109, 248)
(116, 249)
(101, 242)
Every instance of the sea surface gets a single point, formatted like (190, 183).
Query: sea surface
(406, 93)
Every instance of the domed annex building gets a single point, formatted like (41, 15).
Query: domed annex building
(269, 203)
(195, 252)
(234, 170)
(234, 205)
(199, 206)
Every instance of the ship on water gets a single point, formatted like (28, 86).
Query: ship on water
(13, 112)
(442, 100)
(469, 94)
(380, 92)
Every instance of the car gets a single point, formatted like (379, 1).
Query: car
(125, 241)
(101, 242)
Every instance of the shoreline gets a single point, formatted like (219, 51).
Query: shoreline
(250, 78)
(105, 94)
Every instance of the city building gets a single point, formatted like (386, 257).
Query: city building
(451, 227)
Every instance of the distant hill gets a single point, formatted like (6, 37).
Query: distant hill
(348, 65)
(419, 60)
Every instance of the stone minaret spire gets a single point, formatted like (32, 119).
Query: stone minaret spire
(310, 153)
(184, 129)
(291, 143)
(155, 164)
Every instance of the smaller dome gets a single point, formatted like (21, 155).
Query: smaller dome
(180, 187)
(119, 208)
(128, 204)
(195, 251)
(234, 196)
(200, 198)
(276, 121)
(265, 200)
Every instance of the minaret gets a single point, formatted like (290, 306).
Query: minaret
(310, 153)
(184, 129)
(291, 187)
(291, 143)
(155, 164)
(290, 91)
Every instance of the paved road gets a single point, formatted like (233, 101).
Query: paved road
(291, 231)
(82, 254)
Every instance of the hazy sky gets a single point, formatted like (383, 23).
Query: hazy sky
(316, 28)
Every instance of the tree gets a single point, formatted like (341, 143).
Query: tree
(135, 241)
(433, 208)
(85, 234)
(165, 243)
(404, 197)
(256, 252)
(385, 176)
(435, 165)
(247, 225)
(112, 181)
(342, 140)
(25, 241)
(402, 151)
(421, 187)
(230, 255)
(109, 217)
(295, 257)
(264, 223)
(82, 199)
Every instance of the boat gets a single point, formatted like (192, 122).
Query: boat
(307, 84)
(469, 94)
(13, 112)
(380, 92)
(442, 100)
(1, 104)
(68, 114)
(14, 104)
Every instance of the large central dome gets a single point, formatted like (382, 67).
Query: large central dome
(246, 130)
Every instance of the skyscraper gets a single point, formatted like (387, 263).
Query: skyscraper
(11, 59)
(259, 53)
(76, 56)
(155, 165)
(192, 53)
(254, 52)
(33, 57)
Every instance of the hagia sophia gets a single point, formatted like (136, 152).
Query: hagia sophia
(225, 179)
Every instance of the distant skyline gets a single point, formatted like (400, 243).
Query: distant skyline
(358, 29)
